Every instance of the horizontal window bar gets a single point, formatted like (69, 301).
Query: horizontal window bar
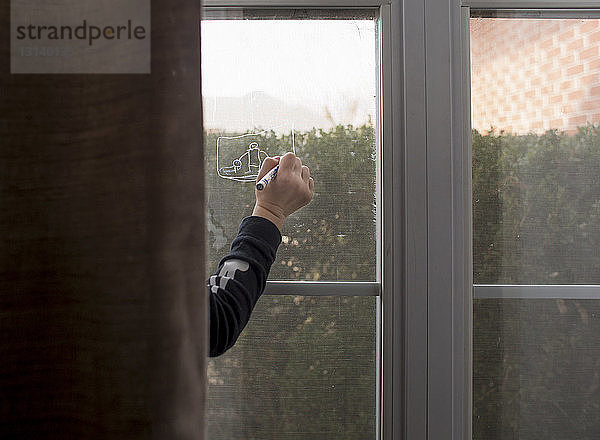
(299, 4)
(537, 291)
(322, 288)
(239, 13)
(535, 13)
(531, 4)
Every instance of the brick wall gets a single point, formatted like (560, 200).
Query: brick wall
(530, 75)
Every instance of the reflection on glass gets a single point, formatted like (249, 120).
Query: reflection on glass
(303, 369)
(536, 150)
(536, 220)
(533, 75)
(309, 86)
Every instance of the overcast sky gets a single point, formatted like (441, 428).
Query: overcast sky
(309, 63)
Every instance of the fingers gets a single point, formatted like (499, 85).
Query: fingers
(268, 164)
(305, 173)
(291, 161)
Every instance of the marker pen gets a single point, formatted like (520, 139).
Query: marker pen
(262, 183)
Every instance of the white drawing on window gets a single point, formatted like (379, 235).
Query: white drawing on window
(240, 158)
(247, 166)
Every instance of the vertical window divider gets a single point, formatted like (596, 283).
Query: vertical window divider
(464, 253)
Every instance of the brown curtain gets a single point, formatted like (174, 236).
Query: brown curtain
(102, 289)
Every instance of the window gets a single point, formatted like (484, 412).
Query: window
(305, 81)
(536, 224)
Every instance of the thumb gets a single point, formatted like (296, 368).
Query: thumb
(268, 164)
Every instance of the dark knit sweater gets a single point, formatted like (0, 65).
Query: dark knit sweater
(240, 280)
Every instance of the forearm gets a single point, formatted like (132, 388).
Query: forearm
(240, 280)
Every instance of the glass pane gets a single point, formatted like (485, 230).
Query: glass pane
(536, 369)
(536, 220)
(536, 150)
(273, 84)
(304, 368)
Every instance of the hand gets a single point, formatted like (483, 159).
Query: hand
(289, 191)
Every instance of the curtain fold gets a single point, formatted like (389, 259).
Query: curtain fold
(102, 289)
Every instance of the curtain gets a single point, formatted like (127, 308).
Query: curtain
(102, 289)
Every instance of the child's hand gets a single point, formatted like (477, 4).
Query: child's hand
(289, 191)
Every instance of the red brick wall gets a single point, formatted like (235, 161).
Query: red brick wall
(531, 75)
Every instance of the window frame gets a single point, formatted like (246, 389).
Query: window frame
(384, 144)
(425, 285)
(325, 288)
(535, 291)
(545, 9)
(426, 288)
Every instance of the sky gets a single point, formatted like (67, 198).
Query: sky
(309, 65)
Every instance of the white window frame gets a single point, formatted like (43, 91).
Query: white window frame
(333, 288)
(544, 9)
(426, 285)
(548, 8)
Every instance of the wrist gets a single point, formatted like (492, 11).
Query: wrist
(271, 213)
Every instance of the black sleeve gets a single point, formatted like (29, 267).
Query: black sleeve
(240, 280)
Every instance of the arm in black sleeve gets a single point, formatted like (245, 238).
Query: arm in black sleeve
(240, 280)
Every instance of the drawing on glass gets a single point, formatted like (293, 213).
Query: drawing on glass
(240, 158)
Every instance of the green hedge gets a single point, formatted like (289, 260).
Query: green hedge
(536, 217)
(536, 220)
(305, 367)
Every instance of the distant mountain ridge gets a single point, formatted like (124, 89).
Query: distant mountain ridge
(259, 110)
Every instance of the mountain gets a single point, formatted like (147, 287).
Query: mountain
(259, 110)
